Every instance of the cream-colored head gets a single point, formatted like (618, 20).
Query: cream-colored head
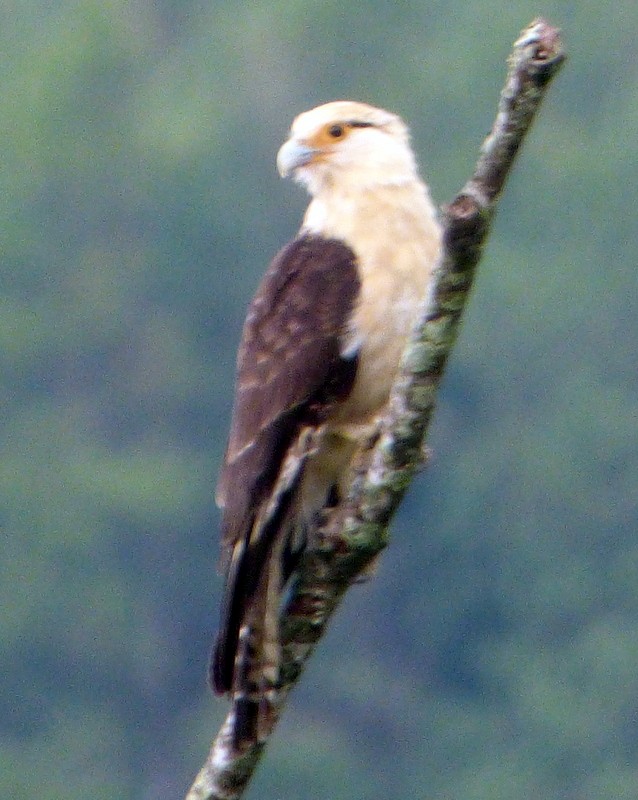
(347, 144)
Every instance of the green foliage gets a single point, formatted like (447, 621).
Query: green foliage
(494, 655)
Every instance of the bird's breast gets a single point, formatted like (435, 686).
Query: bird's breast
(396, 239)
(381, 325)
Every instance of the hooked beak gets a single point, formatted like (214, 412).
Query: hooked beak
(292, 155)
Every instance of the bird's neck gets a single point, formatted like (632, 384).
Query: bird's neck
(353, 213)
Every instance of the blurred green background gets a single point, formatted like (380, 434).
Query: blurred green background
(495, 655)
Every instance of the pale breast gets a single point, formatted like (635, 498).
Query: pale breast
(396, 238)
(390, 302)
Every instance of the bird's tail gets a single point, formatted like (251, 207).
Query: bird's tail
(258, 659)
(247, 653)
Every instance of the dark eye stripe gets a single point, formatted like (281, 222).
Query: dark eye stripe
(359, 124)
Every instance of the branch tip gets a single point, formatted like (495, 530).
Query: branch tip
(540, 43)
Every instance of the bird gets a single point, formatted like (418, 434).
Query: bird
(320, 350)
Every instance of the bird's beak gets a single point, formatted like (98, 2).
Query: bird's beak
(294, 154)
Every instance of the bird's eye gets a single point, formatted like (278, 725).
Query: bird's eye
(336, 131)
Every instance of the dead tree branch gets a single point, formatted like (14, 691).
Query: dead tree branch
(355, 532)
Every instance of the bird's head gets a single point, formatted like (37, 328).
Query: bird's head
(347, 144)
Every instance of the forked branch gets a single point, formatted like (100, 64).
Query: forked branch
(355, 532)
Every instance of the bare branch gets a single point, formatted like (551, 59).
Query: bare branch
(355, 532)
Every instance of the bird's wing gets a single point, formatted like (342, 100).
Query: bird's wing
(290, 370)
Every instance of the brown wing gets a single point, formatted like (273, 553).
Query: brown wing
(289, 369)
(290, 372)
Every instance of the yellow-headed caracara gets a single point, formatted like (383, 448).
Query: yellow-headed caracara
(320, 351)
